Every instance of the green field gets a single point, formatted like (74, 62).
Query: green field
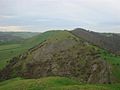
(52, 83)
(7, 52)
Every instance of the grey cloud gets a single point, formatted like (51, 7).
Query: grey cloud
(47, 14)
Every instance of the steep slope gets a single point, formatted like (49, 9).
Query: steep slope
(110, 42)
(61, 54)
(10, 50)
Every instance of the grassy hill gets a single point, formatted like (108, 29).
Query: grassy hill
(8, 51)
(108, 41)
(52, 83)
(61, 54)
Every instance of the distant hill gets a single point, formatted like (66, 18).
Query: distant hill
(108, 41)
(9, 37)
(24, 35)
(5, 38)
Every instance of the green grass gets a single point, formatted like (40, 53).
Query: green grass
(52, 83)
(10, 46)
(111, 58)
(7, 52)
(114, 61)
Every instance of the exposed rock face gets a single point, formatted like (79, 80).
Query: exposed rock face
(69, 56)
(100, 73)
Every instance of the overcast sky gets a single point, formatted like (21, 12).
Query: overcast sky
(42, 15)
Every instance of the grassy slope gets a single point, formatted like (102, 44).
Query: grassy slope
(8, 51)
(114, 61)
(51, 83)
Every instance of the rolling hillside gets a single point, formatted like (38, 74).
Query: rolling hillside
(23, 35)
(15, 37)
(110, 42)
(6, 38)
